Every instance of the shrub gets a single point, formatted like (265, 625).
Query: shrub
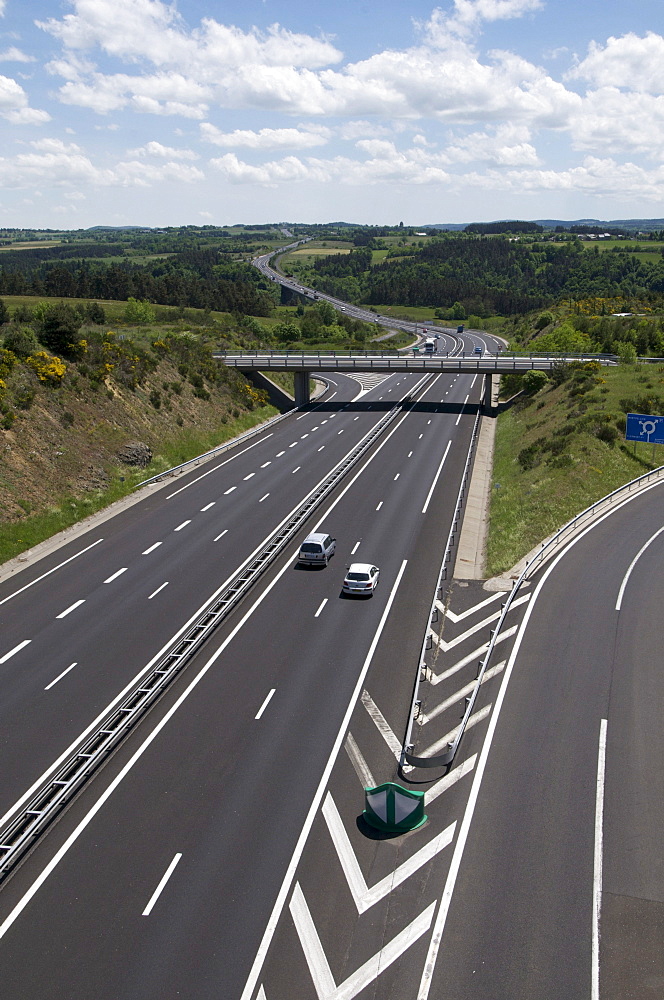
(21, 341)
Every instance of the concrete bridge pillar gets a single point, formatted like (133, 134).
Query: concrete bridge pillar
(302, 395)
(487, 396)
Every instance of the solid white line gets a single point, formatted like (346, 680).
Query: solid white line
(330, 397)
(207, 507)
(63, 614)
(597, 867)
(631, 567)
(322, 605)
(184, 524)
(461, 410)
(151, 549)
(154, 593)
(48, 573)
(116, 575)
(379, 505)
(264, 498)
(224, 532)
(250, 476)
(226, 492)
(435, 480)
(355, 548)
(59, 677)
(473, 382)
(381, 724)
(250, 985)
(160, 888)
(265, 704)
(225, 462)
(16, 649)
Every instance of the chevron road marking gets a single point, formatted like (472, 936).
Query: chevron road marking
(445, 646)
(458, 695)
(465, 614)
(326, 988)
(359, 763)
(381, 724)
(363, 896)
(437, 678)
(450, 779)
(442, 743)
(261, 994)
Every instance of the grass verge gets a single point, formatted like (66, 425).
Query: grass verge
(18, 537)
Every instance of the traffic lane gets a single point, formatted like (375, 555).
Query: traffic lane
(25, 608)
(349, 940)
(109, 636)
(247, 659)
(524, 894)
(632, 918)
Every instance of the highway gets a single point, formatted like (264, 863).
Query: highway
(218, 780)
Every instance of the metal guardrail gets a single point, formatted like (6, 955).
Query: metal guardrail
(33, 818)
(258, 429)
(545, 552)
(406, 756)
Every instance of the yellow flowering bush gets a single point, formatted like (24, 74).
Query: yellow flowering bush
(46, 367)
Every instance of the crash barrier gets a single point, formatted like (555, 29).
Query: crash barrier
(207, 455)
(20, 834)
(546, 551)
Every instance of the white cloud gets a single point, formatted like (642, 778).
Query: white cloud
(15, 55)
(267, 138)
(14, 105)
(631, 61)
(163, 152)
(443, 29)
(149, 29)
(55, 146)
(595, 176)
(506, 145)
(612, 120)
(362, 130)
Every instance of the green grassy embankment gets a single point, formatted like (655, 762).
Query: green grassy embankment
(562, 449)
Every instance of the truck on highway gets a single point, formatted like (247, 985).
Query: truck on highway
(429, 346)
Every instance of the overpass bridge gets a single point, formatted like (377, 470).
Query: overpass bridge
(304, 364)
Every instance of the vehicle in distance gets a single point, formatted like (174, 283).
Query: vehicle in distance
(429, 346)
(317, 549)
(361, 578)
(478, 350)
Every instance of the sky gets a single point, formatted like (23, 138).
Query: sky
(142, 112)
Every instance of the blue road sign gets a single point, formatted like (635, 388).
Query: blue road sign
(641, 427)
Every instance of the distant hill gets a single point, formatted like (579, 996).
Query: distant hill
(634, 225)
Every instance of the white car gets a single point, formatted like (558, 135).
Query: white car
(361, 578)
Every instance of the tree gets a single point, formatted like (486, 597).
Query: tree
(59, 327)
(544, 319)
(138, 311)
(533, 381)
(4, 313)
(95, 313)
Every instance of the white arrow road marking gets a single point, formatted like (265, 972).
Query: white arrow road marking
(363, 896)
(359, 763)
(450, 779)
(465, 614)
(437, 678)
(475, 628)
(326, 988)
(442, 743)
(381, 724)
(458, 695)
